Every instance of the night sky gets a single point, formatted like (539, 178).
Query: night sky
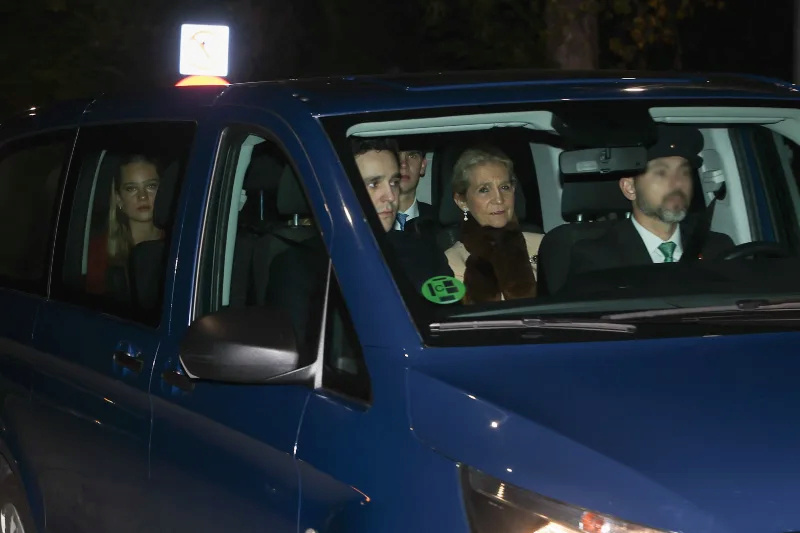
(751, 36)
(51, 52)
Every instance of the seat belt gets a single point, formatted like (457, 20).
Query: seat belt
(694, 249)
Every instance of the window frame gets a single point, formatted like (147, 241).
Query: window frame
(87, 146)
(211, 249)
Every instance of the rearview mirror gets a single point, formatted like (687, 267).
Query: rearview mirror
(630, 160)
(253, 345)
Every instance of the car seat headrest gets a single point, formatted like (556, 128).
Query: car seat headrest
(264, 171)
(592, 199)
(291, 198)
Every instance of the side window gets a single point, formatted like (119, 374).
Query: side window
(30, 173)
(264, 249)
(121, 204)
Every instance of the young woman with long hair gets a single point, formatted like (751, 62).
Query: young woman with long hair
(130, 221)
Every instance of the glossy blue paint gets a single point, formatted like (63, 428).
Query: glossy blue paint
(91, 419)
(687, 434)
(359, 463)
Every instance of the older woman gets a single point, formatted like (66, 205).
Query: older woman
(494, 259)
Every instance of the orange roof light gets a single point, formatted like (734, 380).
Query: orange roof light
(190, 81)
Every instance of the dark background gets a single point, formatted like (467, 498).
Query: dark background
(57, 49)
(748, 36)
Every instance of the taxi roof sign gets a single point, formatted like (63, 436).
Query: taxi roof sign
(204, 50)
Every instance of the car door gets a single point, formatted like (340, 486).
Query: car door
(31, 172)
(222, 453)
(97, 342)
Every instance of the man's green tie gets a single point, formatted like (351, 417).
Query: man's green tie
(667, 248)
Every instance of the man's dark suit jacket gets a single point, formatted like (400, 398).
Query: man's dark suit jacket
(622, 246)
(425, 210)
(425, 218)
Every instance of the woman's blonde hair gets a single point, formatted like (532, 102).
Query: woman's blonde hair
(476, 156)
(120, 238)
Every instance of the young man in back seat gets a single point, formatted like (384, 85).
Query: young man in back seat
(411, 212)
(419, 256)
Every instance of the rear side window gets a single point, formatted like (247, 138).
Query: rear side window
(119, 209)
(30, 172)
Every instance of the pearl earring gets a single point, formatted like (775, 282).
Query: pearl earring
(465, 215)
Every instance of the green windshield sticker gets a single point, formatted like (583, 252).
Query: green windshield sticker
(443, 290)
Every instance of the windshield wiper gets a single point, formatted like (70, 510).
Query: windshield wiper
(534, 323)
(740, 306)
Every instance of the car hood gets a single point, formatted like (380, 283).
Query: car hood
(688, 434)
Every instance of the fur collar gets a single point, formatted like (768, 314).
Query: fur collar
(498, 264)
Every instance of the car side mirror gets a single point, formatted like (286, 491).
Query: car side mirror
(254, 345)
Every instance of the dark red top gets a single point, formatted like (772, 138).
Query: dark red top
(97, 264)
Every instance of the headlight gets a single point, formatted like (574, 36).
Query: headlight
(495, 506)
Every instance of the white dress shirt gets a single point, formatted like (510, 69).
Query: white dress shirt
(412, 212)
(652, 242)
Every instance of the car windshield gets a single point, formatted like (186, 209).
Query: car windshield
(582, 210)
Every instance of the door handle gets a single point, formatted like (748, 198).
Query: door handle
(176, 379)
(123, 358)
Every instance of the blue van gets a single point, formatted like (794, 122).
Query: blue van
(206, 325)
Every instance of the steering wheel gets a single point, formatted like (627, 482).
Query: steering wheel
(766, 249)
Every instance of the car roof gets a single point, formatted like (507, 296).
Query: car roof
(339, 95)
(354, 94)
